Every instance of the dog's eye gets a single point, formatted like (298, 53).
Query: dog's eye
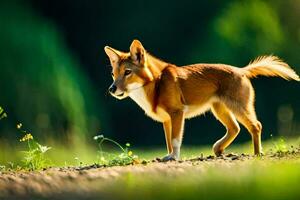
(127, 72)
(112, 74)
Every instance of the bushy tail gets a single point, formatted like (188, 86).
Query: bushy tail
(270, 66)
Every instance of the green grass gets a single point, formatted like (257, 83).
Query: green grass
(274, 144)
(86, 154)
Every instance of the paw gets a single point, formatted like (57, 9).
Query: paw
(260, 154)
(169, 157)
(218, 152)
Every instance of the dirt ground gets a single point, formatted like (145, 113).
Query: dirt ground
(85, 182)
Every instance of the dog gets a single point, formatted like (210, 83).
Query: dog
(170, 94)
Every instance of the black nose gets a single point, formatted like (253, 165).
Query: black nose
(112, 89)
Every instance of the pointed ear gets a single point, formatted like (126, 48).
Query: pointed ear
(113, 54)
(137, 52)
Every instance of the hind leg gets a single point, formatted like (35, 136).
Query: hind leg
(226, 117)
(249, 120)
(241, 103)
(245, 114)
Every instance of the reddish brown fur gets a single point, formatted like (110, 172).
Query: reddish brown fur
(170, 94)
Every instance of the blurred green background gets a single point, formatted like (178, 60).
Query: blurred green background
(54, 73)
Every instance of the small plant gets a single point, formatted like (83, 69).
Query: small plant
(34, 156)
(126, 157)
(10, 165)
(280, 146)
(2, 113)
(79, 163)
(2, 168)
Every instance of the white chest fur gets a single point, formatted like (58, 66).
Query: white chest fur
(140, 97)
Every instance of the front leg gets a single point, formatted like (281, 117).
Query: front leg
(177, 124)
(168, 134)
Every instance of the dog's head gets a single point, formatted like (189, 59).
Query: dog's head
(129, 70)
